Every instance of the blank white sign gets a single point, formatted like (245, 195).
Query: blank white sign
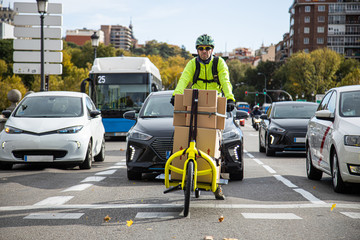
(34, 20)
(34, 44)
(34, 32)
(34, 56)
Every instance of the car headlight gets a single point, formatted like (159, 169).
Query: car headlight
(352, 140)
(230, 135)
(74, 129)
(277, 129)
(12, 130)
(140, 135)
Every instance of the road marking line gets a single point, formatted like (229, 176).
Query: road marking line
(157, 215)
(120, 164)
(355, 215)
(54, 216)
(250, 155)
(108, 172)
(309, 196)
(93, 179)
(270, 216)
(116, 167)
(78, 187)
(59, 200)
(269, 169)
(181, 206)
(285, 181)
(258, 161)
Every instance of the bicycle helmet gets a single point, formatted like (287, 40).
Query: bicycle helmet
(205, 40)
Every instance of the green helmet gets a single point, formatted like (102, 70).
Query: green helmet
(205, 40)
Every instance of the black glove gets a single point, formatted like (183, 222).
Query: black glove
(172, 100)
(230, 105)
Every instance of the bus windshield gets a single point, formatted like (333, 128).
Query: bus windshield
(121, 91)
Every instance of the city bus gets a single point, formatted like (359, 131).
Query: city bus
(120, 84)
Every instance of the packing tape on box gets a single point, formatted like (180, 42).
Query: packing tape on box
(203, 113)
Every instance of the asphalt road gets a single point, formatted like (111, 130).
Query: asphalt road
(274, 201)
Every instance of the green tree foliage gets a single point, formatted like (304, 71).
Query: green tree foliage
(7, 84)
(6, 50)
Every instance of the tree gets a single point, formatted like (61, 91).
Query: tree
(7, 84)
(352, 78)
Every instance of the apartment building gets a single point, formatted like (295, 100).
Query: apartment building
(117, 35)
(80, 36)
(282, 48)
(325, 23)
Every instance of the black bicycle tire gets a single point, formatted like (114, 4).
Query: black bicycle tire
(188, 186)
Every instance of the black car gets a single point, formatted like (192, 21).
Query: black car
(284, 126)
(150, 140)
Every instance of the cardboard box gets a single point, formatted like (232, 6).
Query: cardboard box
(221, 109)
(203, 121)
(208, 140)
(179, 118)
(207, 98)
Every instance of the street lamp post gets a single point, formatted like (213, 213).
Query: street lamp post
(42, 6)
(94, 42)
(265, 85)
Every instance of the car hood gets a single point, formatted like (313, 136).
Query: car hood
(350, 126)
(294, 124)
(40, 125)
(157, 127)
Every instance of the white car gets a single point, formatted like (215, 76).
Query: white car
(333, 138)
(53, 127)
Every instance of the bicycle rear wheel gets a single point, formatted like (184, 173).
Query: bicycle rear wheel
(189, 184)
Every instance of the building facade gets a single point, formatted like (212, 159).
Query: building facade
(117, 35)
(6, 14)
(325, 23)
(80, 36)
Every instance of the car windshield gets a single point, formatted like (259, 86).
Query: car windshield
(294, 111)
(158, 106)
(350, 104)
(50, 106)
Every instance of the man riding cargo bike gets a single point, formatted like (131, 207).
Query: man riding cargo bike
(204, 72)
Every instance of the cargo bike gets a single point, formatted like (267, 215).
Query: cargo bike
(190, 173)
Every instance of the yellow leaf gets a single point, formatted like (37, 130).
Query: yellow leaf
(209, 238)
(333, 206)
(221, 218)
(129, 223)
(314, 187)
(149, 229)
(107, 218)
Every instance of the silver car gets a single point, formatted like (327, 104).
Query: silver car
(53, 127)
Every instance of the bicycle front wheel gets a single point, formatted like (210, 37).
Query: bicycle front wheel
(189, 185)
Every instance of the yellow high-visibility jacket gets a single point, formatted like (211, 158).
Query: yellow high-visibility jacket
(206, 74)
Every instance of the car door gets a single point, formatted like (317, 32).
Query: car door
(95, 124)
(264, 126)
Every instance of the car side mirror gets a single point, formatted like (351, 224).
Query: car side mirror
(264, 116)
(6, 113)
(130, 115)
(95, 113)
(241, 115)
(325, 115)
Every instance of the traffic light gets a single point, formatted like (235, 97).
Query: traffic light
(257, 94)
(245, 93)
(264, 90)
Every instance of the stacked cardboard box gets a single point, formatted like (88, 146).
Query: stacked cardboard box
(210, 122)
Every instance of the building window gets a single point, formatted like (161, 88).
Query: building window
(321, 18)
(307, 8)
(320, 29)
(306, 40)
(307, 19)
(306, 30)
(321, 8)
(320, 40)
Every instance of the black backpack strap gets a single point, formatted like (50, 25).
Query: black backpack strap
(197, 71)
(215, 70)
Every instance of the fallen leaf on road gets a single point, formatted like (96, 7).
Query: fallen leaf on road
(314, 187)
(107, 218)
(209, 238)
(333, 206)
(149, 229)
(122, 149)
(230, 239)
(221, 218)
(129, 223)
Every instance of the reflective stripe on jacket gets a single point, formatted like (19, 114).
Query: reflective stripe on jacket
(206, 74)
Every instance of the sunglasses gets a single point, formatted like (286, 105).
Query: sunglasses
(204, 48)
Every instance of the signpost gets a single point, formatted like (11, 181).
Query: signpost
(27, 46)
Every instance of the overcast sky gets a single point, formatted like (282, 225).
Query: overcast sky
(232, 23)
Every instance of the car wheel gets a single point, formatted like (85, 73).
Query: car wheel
(268, 150)
(338, 183)
(86, 164)
(101, 156)
(311, 171)
(6, 166)
(134, 175)
(261, 148)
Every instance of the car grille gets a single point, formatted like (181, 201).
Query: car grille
(161, 146)
(55, 153)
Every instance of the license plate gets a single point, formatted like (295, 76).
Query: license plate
(40, 158)
(299, 140)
